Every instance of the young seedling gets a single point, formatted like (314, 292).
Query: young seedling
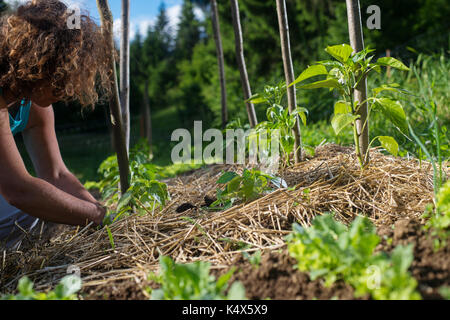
(279, 117)
(145, 193)
(344, 74)
(193, 282)
(251, 185)
(65, 290)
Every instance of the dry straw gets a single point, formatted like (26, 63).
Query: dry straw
(389, 189)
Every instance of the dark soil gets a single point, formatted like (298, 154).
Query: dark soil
(118, 290)
(430, 268)
(276, 278)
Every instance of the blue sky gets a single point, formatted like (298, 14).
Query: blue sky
(142, 12)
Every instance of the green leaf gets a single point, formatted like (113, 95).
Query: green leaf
(236, 292)
(389, 144)
(223, 280)
(124, 200)
(393, 110)
(302, 116)
(328, 83)
(341, 52)
(402, 257)
(111, 239)
(25, 286)
(342, 120)
(310, 72)
(392, 62)
(226, 177)
(391, 87)
(256, 98)
(342, 107)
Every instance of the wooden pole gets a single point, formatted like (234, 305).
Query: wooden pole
(114, 103)
(357, 42)
(241, 62)
(220, 61)
(125, 70)
(289, 75)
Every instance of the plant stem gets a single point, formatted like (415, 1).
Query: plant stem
(356, 138)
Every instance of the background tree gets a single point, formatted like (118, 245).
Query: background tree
(3, 6)
(140, 76)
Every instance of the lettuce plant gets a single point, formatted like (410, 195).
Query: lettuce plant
(330, 250)
(193, 282)
(65, 290)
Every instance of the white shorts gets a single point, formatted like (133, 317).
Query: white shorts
(14, 224)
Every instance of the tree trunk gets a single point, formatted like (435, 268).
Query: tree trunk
(289, 75)
(147, 117)
(357, 42)
(125, 70)
(114, 103)
(220, 60)
(241, 62)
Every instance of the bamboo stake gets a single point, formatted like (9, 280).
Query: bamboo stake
(357, 42)
(220, 60)
(125, 70)
(241, 62)
(114, 103)
(289, 74)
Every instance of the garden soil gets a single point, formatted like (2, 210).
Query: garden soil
(392, 193)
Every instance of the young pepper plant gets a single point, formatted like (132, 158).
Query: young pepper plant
(251, 185)
(279, 117)
(343, 74)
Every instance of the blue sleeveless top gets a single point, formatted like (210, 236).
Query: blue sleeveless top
(20, 121)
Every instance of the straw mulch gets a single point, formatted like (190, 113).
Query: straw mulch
(389, 189)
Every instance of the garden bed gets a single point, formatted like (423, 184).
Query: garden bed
(391, 191)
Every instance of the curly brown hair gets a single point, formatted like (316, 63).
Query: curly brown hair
(37, 46)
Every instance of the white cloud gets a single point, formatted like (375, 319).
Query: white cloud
(141, 25)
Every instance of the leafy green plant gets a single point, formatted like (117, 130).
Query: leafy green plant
(330, 250)
(439, 221)
(279, 117)
(344, 74)
(145, 192)
(65, 290)
(251, 185)
(193, 282)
